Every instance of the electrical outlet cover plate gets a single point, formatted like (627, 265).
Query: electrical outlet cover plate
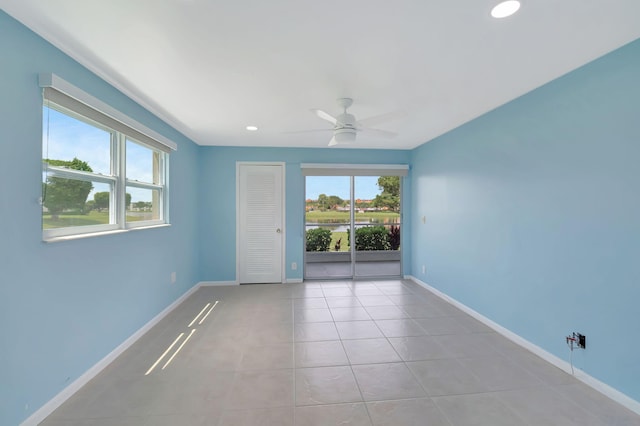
(582, 341)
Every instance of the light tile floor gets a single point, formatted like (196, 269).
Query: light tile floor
(331, 353)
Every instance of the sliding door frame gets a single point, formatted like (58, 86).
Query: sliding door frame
(351, 171)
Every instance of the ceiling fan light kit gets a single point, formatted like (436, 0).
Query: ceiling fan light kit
(344, 136)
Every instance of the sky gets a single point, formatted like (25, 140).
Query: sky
(366, 187)
(65, 137)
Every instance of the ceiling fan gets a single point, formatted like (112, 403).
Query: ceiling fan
(345, 125)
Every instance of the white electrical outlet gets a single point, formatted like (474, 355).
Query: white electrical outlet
(173, 278)
(294, 266)
(424, 219)
(424, 269)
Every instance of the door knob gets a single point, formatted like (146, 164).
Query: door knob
(278, 230)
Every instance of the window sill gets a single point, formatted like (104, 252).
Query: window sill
(139, 228)
(101, 233)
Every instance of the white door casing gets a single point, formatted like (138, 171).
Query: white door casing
(260, 222)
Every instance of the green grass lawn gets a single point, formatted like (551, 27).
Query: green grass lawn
(94, 217)
(332, 216)
(344, 243)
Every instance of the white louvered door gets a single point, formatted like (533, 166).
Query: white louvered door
(261, 230)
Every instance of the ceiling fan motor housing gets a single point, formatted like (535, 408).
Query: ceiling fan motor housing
(345, 120)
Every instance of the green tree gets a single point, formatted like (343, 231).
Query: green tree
(334, 201)
(101, 200)
(59, 194)
(142, 205)
(323, 202)
(390, 196)
(362, 204)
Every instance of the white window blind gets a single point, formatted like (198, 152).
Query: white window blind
(67, 95)
(321, 169)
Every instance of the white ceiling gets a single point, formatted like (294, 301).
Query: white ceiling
(209, 68)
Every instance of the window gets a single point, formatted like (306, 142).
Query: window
(144, 189)
(99, 173)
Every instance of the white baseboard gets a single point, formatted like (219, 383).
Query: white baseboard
(594, 383)
(217, 283)
(48, 408)
(227, 283)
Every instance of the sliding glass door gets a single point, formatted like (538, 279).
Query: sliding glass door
(352, 227)
(327, 227)
(377, 226)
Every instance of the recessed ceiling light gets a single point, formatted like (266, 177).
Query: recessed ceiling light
(506, 8)
(252, 128)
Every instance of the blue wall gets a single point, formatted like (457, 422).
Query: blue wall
(218, 200)
(64, 306)
(533, 215)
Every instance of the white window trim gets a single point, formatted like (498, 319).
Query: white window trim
(118, 181)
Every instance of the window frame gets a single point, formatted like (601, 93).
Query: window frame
(117, 125)
(161, 188)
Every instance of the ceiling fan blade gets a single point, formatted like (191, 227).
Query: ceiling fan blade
(382, 118)
(333, 141)
(325, 116)
(379, 133)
